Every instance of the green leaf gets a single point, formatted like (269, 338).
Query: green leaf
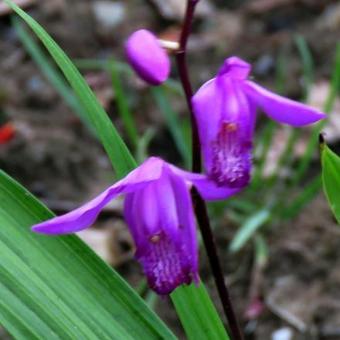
(56, 287)
(331, 178)
(116, 149)
(306, 194)
(122, 103)
(307, 63)
(313, 140)
(248, 229)
(198, 315)
(50, 72)
(172, 122)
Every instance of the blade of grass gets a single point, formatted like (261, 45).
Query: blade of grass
(313, 187)
(101, 64)
(172, 122)
(267, 134)
(307, 64)
(56, 287)
(198, 314)
(331, 178)
(313, 141)
(50, 72)
(248, 229)
(286, 157)
(123, 106)
(143, 144)
(116, 149)
(304, 197)
(261, 251)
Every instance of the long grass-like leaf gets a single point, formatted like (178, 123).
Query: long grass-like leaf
(172, 122)
(198, 314)
(313, 141)
(56, 287)
(248, 229)
(116, 149)
(50, 72)
(331, 178)
(122, 103)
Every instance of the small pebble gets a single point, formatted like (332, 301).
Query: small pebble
(109, 14)
(284, 333)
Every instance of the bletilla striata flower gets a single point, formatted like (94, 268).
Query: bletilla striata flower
(225, 110)
(158, 211)
(147, 57)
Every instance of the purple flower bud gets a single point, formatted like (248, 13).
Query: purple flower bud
(147, 57)
(159, 214)
(225, 111)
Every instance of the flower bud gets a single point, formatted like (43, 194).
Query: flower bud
(147, 57)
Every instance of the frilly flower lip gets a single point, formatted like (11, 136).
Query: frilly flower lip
(147, 57)
(225, 110)
(159, 214)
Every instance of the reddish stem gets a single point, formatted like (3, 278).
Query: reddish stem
(199, 204)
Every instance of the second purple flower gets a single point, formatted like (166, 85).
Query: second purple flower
(225, 110)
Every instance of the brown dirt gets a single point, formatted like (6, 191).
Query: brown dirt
(55, 157)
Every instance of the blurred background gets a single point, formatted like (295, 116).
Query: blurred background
(278, 240)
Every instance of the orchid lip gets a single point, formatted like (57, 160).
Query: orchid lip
(231, 160)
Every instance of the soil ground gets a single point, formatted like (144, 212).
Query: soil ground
(57, 159)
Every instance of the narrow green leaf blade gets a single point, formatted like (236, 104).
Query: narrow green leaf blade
(122, 103)
(50, 71)
(197, 313)
(331, 179)
(172, 122)
(116, 149)
(248, 229)
(56, 287)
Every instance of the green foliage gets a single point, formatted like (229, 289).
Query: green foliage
(282, 198)
(50, 72)
(331, 178)
(56, 287)
(198, 314)
(249, 228)
(117, 151)
(122, 103)
(172, 122)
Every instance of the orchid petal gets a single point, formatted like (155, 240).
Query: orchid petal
(281, 109)
(236, 68)
(164, 195)
(166, 242)
(84, 216)
(232, 145)
(207, 188)
(210, 191)
(207, 104)
(187, 227)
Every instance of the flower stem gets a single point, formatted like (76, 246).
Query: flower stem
(215, 263)
(185, 80)
(199, 205)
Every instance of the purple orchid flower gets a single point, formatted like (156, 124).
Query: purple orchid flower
(147, 57)
(158, 211)
(225, 110)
